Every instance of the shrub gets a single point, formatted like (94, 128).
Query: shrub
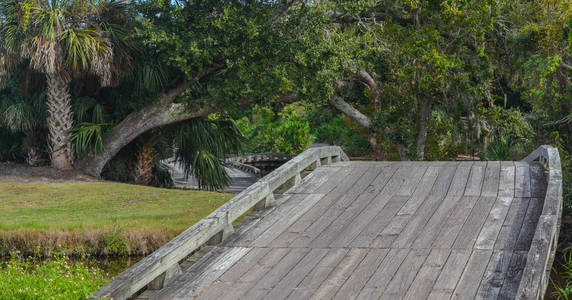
(339, 131)
(288, 131)
(562, 277)
(56, 278)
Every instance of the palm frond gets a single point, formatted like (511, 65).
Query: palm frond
(202, 146)
(88, 136)
(82, 106)
(17, 117)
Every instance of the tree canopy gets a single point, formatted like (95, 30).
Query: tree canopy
(402, 79)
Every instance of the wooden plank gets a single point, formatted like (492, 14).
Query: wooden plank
(383, 275)
(340, 274)
(421, 192)
(414, 227)
(454, 222)
(285, 218)
(475, 181)
(491, 179)
(276, 273)
(408, 185)
(507, 179)
(472, 227)
(233, 274)
(450, 275)
(362, 274)
(522, 180)
(494, 275)
(316, 277)
(405, 275)
(493, 224)
(243, 237)
(255, 274)
(346, 219)
(286, 238)
(335, 180)
(529, 225)
(423, 283)
(472, 275)
(326, 217)
(391, 231)
(378, 223)
(362, 232)
(510, 230)
(193, 285)
(537, 180)
(429, 232)
(460, 179)
(513, 275)
(297, 274)
(314, 180)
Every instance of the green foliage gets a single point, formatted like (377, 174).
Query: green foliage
(202, 145)
(87, 136)
(10, 145)
(286, 132)
(55, 278)
(500, 148)
(562, 277)
(339, 131)
(443, 142)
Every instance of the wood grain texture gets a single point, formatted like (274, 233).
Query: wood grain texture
(388, 230)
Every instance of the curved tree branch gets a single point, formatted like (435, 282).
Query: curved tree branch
(153, 116)
(365, 76)
(351, 112)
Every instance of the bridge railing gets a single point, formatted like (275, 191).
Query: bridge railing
(536, 273)
(157, 269)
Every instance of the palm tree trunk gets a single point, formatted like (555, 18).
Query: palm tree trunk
(144, 165)
(60, 122)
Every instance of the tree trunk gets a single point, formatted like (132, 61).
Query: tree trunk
(153, 116)
(34, 156)
(144, 165)
(423, 114)
(60, 122)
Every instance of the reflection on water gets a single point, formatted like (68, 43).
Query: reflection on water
(110, 265)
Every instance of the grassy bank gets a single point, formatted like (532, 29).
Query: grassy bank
(96, 218)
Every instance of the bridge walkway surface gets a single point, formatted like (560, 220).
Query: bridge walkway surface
(370, 229)
(385, 230)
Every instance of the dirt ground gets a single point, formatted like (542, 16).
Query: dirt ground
(14, 172)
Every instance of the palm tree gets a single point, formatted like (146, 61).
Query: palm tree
(62, 39)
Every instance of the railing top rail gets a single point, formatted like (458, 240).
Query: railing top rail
(157, 263)
(536, 272)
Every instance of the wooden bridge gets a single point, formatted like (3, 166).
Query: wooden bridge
(323, 227)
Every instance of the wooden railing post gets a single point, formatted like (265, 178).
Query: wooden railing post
(165, 278)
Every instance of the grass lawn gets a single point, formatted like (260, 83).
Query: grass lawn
(105, 214)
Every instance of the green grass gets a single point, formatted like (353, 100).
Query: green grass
(110, 218)
(56, 278)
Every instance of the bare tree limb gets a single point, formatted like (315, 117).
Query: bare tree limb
(365, 76)
(351, 112)
(563, 121)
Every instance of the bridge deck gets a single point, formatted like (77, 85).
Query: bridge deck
(387, 230)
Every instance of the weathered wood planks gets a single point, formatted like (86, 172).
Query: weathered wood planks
(390, 230)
